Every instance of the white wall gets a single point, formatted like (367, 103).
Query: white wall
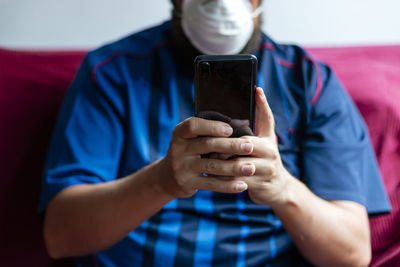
(89, 23)
(334, 22)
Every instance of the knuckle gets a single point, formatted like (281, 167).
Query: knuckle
(175, 166)
(186, 148)
(178, 128)
(175, 132)
(192, 125)
(176, 163)
(270, 116)
(181, 183)
(211, 166)
(209, 142)
(270, 171)
(274, 155)
(234, 145)
(264, 186)
(220, 186)
(174, 150)
(237, 167)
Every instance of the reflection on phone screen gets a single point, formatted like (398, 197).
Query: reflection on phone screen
(240, 127)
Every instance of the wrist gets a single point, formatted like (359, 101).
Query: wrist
(152, 182)
(288, 194)
(164, 182)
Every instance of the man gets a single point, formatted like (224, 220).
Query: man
(123, 182)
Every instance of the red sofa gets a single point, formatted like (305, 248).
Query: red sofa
(33, 85)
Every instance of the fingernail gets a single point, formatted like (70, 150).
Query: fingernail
(241, 187)
(248, 169)
(261, 91)
(246, 147)
(227, 130)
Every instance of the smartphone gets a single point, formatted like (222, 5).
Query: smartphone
(224, 90)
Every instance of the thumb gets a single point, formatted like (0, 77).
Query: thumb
(265, 124)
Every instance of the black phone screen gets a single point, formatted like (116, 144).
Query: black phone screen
(224, 90)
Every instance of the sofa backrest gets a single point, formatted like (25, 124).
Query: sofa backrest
(33, 85)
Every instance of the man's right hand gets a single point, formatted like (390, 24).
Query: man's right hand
(184, 167)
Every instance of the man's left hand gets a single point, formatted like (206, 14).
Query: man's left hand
(268, 184)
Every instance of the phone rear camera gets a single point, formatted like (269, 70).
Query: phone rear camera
(205, 69)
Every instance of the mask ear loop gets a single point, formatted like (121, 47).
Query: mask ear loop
(259, 10)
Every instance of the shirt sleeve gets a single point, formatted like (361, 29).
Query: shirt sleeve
(339, 162)
(87, 139)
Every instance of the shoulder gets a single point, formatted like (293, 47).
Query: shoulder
(299, 67)
(141, 44)
(107, 64)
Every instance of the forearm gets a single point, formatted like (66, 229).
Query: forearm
(327, 233)
(87, 218)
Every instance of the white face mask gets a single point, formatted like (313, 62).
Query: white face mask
(218, 26)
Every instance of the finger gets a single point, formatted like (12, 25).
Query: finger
(263, 147)
(194, 127)
(205, 145)
(223, 167)
(263, 168)
(229, 186)
(265, 125)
